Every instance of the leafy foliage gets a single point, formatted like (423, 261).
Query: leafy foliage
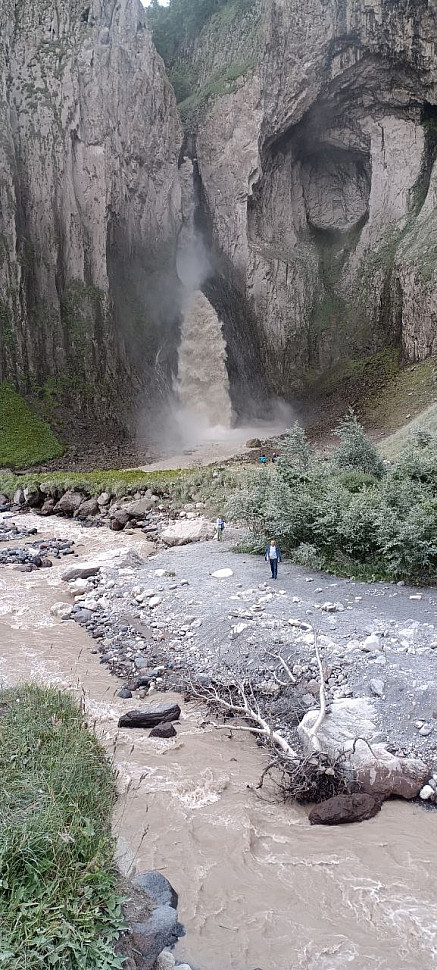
(370, 520)
(176, 25)
(356, 452)
(59, 902)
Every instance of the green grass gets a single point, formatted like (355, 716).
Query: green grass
(406, 393)
(60, 906)
(24, 438)
(93, 483)
(392, 446)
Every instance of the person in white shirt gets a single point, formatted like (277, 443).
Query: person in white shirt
(273, 555)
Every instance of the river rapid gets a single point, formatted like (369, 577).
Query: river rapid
(258, 887)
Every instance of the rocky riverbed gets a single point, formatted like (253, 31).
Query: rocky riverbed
(201, 611)
(230, 854)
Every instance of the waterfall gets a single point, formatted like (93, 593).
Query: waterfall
(202, 383)
(202, 376)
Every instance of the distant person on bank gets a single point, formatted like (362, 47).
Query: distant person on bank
(219, 527)
(273, 555)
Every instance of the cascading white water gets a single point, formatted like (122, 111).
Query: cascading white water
(202, 382)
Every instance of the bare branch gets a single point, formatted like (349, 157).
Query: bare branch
(322, 695)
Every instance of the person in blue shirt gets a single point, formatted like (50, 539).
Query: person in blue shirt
(273, 555)
(262, 458)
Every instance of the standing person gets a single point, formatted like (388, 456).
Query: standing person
(273, 555)
(219, 526)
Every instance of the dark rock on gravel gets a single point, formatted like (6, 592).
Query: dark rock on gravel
(151, 716)
(345, 808)
(125, 692)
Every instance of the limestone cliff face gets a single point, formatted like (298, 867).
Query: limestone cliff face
(320, 182)
(89, 199)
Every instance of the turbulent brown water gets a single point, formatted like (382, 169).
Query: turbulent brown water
(258, 886)
(203, 382)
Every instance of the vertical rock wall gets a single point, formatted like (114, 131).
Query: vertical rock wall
(89, 200)
(318, 172)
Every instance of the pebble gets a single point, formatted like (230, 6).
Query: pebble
(426, 793)
(377, 687)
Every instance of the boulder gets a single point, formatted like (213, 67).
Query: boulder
(3, 500)
(124, 692)
(70, 502)
(48, 506)
(157, 887)
(161, 929)
(140, 508)
(119, 558)
(350, 729)
(119, 519)
(345, 808)
(18, 497)
(164, 730)
(149, 717)
(32, 496)
(225, 573)
(253, 443)
(103, 498)
(61, 610)
(184, 531)
(89, 507)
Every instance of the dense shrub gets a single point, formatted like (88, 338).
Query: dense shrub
(355, 451)
(351, 513)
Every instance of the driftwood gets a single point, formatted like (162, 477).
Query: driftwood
(151, 716)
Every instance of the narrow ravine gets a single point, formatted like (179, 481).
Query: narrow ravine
(257, 886)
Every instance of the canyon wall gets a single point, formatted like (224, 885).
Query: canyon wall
(89, 205)
(319, 182)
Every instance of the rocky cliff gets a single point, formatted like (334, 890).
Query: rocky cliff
(314, 126)
(89, 205)
(319, 183)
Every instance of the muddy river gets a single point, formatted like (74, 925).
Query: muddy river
(258, 887)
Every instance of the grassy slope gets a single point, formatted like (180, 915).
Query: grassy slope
(24, 438)
(59, 903)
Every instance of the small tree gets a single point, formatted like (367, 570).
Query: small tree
(356, 451)
(295, 455)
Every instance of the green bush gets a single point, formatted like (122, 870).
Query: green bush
(355, 451)
(295, 457)
(308, 555)
(354, 520)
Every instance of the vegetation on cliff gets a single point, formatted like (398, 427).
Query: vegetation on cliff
(24, 438)
(206, 46)
(59, 902)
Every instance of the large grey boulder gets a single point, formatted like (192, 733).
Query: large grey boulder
(350, 730)
(70, 502)
(187, 530)
(120, 558)
(89, 507)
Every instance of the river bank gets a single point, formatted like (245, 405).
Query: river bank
(235, 858)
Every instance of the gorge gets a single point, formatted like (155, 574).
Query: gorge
(313, 133)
